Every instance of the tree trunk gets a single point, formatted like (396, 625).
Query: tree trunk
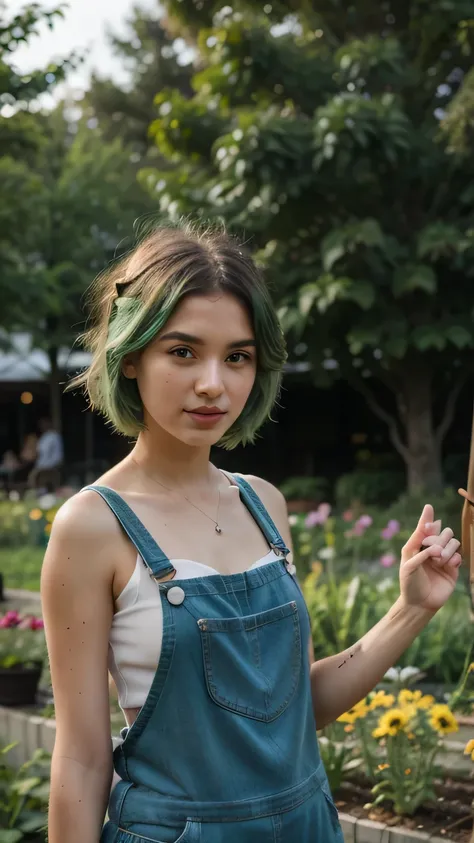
(55, 389)
(422, 452)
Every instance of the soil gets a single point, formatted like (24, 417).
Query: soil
(451, 816)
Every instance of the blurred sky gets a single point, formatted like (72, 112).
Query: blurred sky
(83, 28)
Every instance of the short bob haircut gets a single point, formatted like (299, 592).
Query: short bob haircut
(132, 301)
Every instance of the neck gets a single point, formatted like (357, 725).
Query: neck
(175, 464)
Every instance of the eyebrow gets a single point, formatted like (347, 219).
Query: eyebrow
(190, 338)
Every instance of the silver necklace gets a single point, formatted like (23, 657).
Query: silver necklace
(215, 520)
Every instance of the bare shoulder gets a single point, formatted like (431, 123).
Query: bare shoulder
(84, 530)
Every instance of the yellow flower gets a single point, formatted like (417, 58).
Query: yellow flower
(51, 515)
(354, 713)
(443, 720)
(330, 539)
(36, 514)
(426, 702)
(392, 722)
(471, 668)
(408, 771)
(349, 728)
(381, 700)
(383, 766)
(470, 749)
(47, 529)
(316, 567)
(305, 548)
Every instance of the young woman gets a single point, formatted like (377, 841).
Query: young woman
(177, 578)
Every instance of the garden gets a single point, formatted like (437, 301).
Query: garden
(401, 759)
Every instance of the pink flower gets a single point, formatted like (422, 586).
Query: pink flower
(391, 530)
(365, 521)
(387, 560)
(10, 619)
(318, 516)
(348, 515)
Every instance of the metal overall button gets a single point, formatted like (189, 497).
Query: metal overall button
(175, 595)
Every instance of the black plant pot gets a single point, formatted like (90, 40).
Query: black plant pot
(19, 684)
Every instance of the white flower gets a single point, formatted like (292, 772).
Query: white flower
(326, 553)
(384, 585)
(14, 496)
(401, 674)
(352, 592)
(46, 501)
(292, 520)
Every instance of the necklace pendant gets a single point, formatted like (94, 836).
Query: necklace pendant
(218, 529)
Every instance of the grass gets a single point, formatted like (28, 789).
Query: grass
(21, 566)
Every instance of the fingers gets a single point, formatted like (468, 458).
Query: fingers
(439, 538)
(434, 553)
(425, 525)
(446, 541)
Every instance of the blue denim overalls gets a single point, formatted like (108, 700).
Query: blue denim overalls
(224, 749)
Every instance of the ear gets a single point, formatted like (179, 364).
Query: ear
(129, 369)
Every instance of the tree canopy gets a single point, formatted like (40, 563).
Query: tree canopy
(325, 136)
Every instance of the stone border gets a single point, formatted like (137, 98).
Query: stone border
(368, 831)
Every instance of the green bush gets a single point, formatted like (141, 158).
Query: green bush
(21, 567)
(27, 521)
(24, 796)
(370, 488)
(305, 488)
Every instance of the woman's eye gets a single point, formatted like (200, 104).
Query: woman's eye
(238, 357)
(182, 353)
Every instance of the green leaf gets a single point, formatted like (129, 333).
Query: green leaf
(307, 296)
(459, 336)
(24, 786)
(332, 248)
(11, 835)
(363, 293)
(411, 277)
(9, 747)
(32, 821)
(428, 337)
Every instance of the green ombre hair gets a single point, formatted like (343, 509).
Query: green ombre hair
(132, 302)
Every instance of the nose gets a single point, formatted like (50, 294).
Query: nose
(209, 381)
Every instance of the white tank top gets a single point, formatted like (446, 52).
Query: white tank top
(137, 628)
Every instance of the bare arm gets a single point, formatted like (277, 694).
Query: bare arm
(76, 590)
(339, 682)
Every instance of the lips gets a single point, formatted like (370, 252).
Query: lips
(206, 417)
(206, 411)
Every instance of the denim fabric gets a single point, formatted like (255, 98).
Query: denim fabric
(224, 750)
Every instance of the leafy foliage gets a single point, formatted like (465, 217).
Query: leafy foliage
(319, 133)
(24, 796)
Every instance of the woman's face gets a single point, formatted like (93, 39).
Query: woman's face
(197, 374)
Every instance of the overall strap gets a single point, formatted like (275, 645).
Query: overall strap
(156, 561)
(259, 512)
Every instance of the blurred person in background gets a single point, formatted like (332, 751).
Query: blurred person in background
(49, 459)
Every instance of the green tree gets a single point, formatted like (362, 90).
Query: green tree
(21, 138)
(151, 55)
(319, 134)
(88, 199)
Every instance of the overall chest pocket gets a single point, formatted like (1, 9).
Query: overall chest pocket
(252, 664)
